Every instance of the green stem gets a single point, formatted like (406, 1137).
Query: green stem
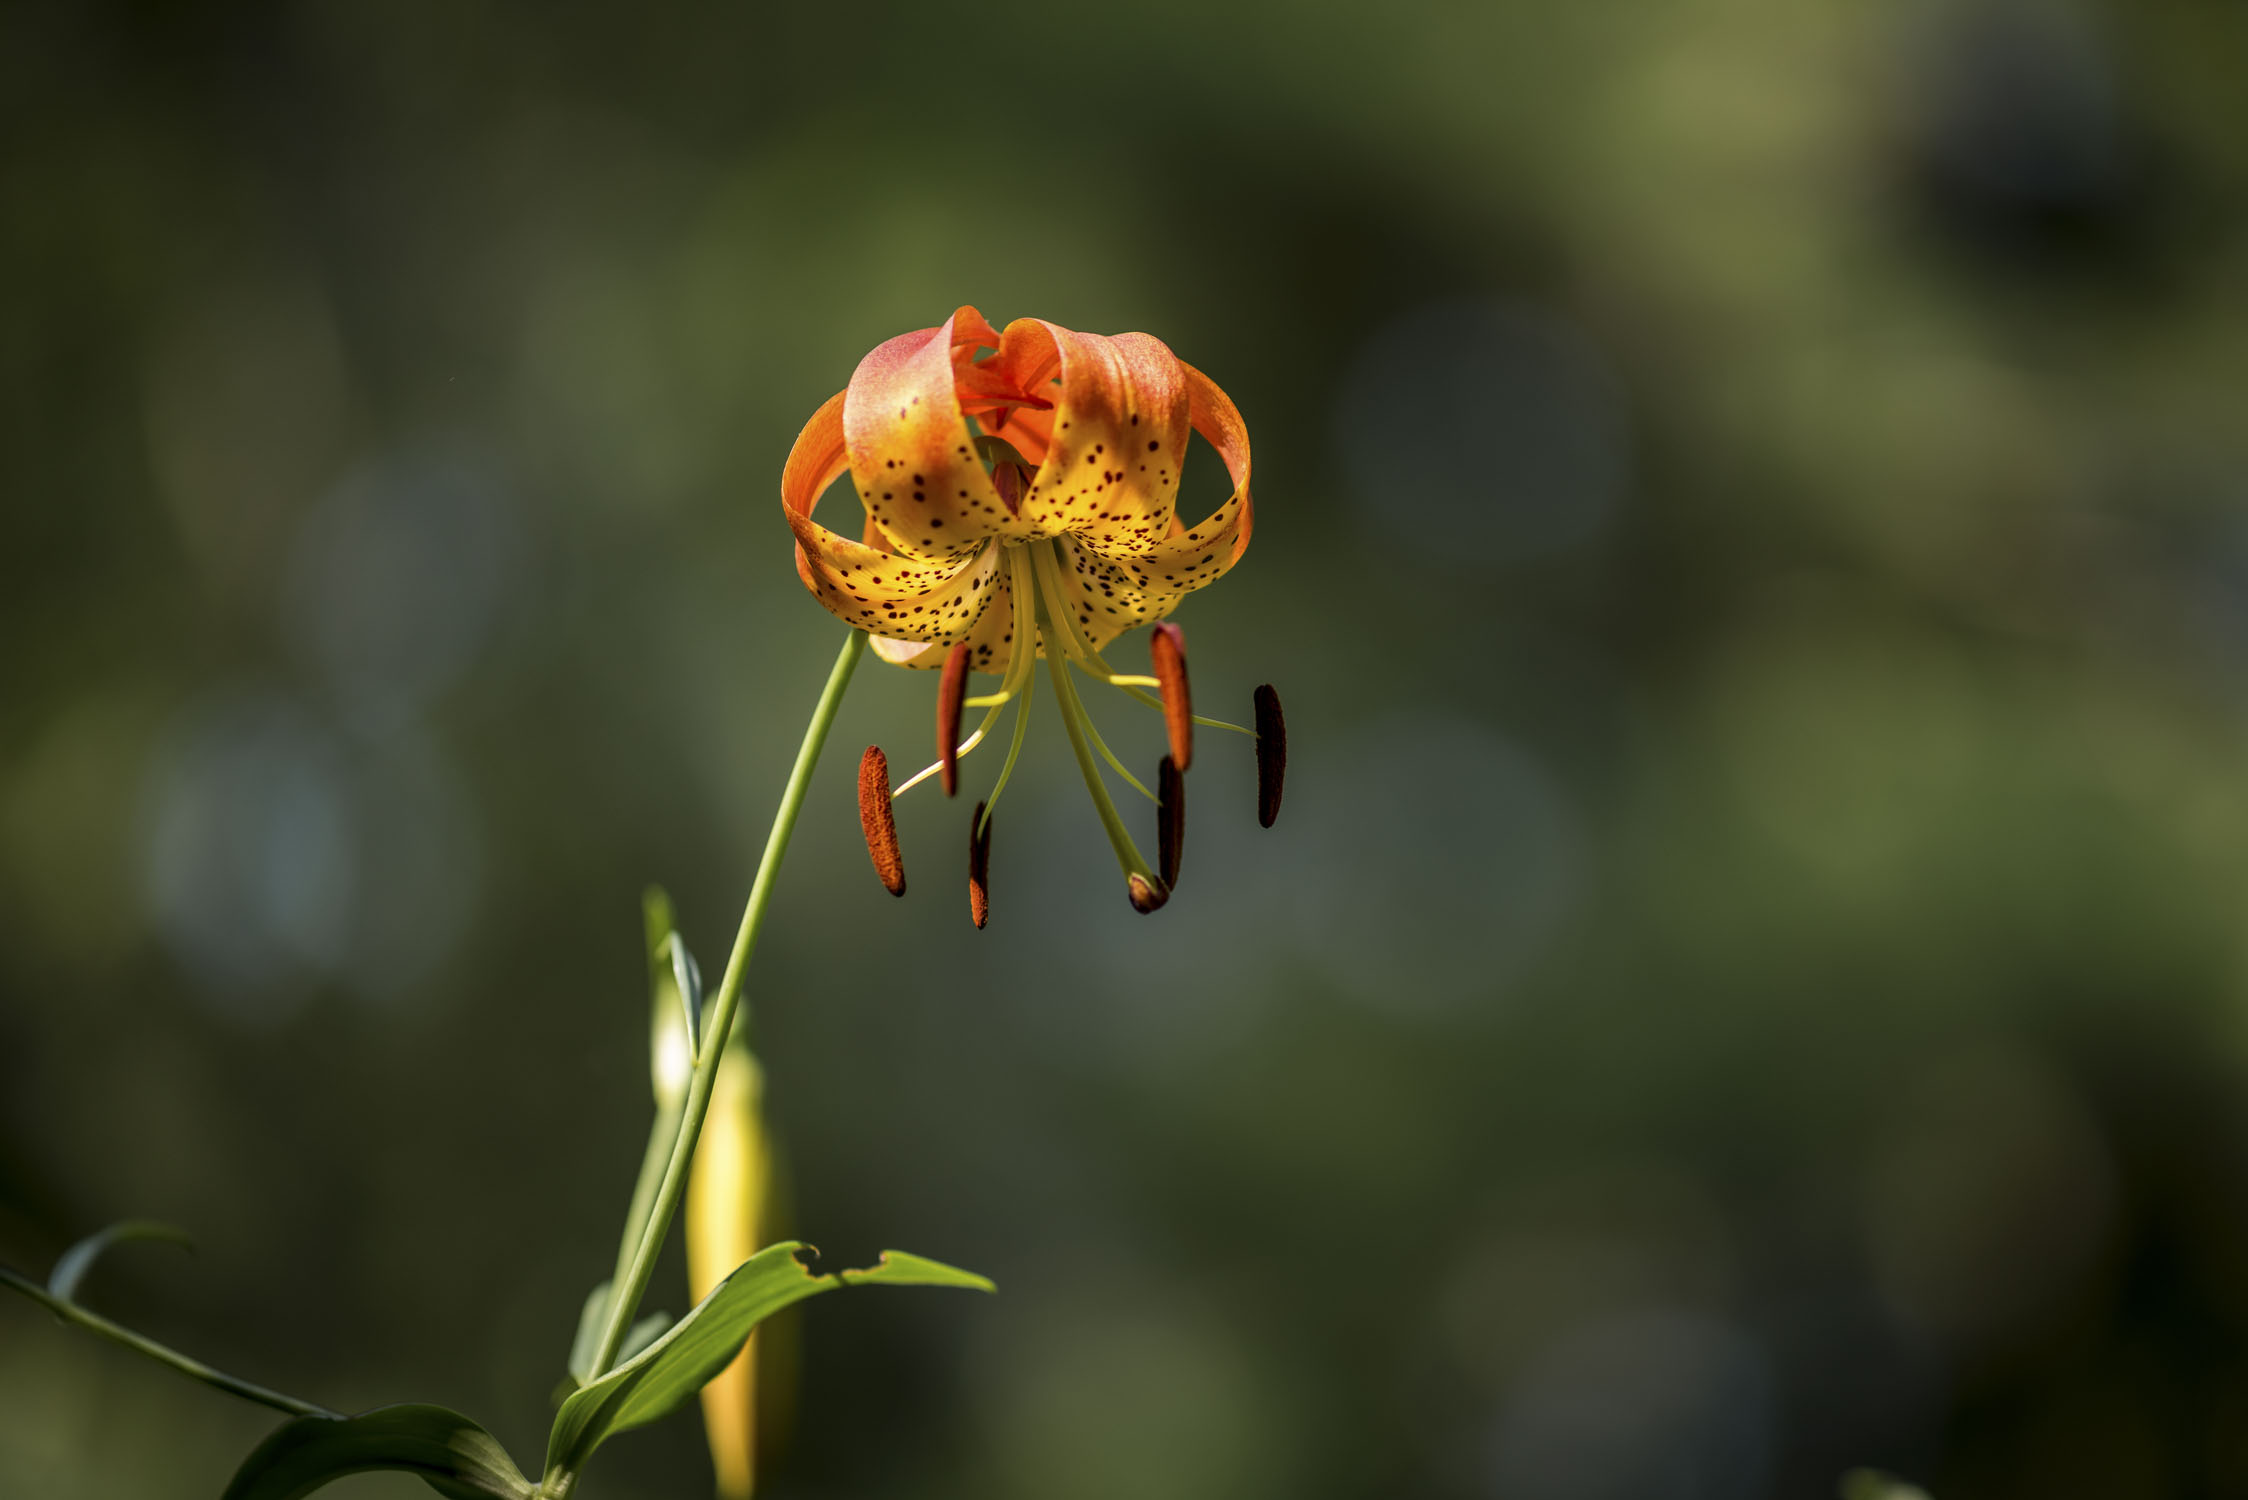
(663, 1134)
(71, 1312)
(719, 1018)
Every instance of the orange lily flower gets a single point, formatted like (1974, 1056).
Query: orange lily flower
(1020, 492)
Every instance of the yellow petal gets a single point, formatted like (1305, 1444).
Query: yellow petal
(990, 641)
(863, 585)
(1112, 591)
(1114, 440)
(911, 450)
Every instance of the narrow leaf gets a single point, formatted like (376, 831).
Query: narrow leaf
(1872, 1484)
(71, 1267)
(687, 974)
(656, 920)
(641, 1334)
(444, 1449)
(896, 1268)
(591, 1319)
(672, 1369)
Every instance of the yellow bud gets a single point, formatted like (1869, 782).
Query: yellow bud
(726, 1196)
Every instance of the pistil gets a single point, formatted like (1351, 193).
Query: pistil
(1147, 890)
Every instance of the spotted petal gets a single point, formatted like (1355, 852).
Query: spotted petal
(991, 639)
(904, 597)
(1112, 591)
(910, 447)
(1116, 436)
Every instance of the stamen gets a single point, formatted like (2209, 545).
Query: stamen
(1014, 747)
(1110, 756)
(1022, 598)
(933, 767)
(1073, 640)
(1012, 484)
(1166, 650)
(1056, 598)
(876, 819)
(1272, 754)
(979, 866)
(952, 687)
(1170, 821)
(1147, 892)
(1126, 683)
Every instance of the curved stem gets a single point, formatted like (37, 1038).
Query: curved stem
(195, 1369)
(720, 1021)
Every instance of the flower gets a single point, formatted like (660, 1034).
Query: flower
(1020, 493)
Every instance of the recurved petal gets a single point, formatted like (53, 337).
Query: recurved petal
(1111, 593)
(905, 597)
(895, 596)
(815, 461)
(1192, 556)
(910, 449)
(1107, 596)
(1117, 433)
(990, 642)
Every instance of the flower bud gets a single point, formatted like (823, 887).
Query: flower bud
(726, 1197)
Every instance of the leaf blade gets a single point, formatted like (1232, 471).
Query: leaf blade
(671, 1370)
(71, 1266)
(445, 1450)
(588, 1338)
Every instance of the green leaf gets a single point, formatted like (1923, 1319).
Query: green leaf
(73, 1264)
(686, 976)
(641, 1334)
(591, 1318)
(1872, 1484)
(657, 921)
(672, 1369)
(448, 1452)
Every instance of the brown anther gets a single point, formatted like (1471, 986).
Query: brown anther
(1170, 820)
(1272, 754)
(876, 819)
(952, 689)
(1012, 483)
(1147, 893)
(979, 867)
(1166, 652)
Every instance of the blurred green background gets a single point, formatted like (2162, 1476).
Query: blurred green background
(1749, 979)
